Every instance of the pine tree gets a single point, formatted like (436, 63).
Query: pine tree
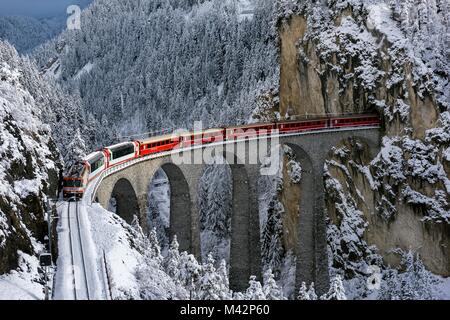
(255, 290)
(77, 149)
(154, 248)
(415, 281)
(223, 272)
(172, 262)
(408, 278)
(190, 272)
(303, 292)
(211, 285)
(424, 280)
(271, 289)
(272, 246)
(312, 292)
(337, 291)
(390, 286)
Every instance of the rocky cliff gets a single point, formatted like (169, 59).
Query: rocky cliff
(385, 57)
(29, 160)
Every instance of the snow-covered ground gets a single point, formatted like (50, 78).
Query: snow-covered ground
(23, 283)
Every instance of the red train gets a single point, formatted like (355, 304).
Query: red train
(95, 163)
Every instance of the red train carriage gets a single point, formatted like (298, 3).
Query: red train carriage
(249, 131)
(188, 139)
(304, 125)
(355, 121)
(158, 144)
(213, 135)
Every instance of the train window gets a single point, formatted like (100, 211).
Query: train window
(97, 163)
(122, 151)
(72, 183)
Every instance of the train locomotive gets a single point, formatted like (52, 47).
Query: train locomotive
(88, 169)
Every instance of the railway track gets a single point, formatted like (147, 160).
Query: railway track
(79, 271)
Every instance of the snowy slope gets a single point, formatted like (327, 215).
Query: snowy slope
(24, 283)
(29, 164)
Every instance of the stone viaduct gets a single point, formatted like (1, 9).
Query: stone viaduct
(129, 185)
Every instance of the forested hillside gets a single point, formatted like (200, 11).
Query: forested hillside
(149, 65)
(26, 33)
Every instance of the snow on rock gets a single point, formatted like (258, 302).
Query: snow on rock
(83, 71)
(446, 154)
(29, 164)
(294, 168)
(24, 283)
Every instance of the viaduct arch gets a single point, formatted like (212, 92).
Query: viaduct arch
(311, 150)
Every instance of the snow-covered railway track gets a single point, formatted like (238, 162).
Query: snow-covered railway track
(79, 270)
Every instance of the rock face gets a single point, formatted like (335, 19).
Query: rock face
(358, 57)
(29, 161)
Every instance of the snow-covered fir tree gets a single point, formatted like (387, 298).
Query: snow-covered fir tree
(215, 197)
(223, 273)
(190, 272)
(312, 292)
(415, 281)
(389, 289)
(77, 149)
(303, 292)
(336, 291)
(255, 290)
(172, 260)
(154, 247)
(272, 248)
(270, 288)
(211, 285)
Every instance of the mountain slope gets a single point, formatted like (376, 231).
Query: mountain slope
(29, 163)
(151, 59)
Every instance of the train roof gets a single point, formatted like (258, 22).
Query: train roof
(190, 133)
(93, 155)
(119, 145)
(330, 116)
(158, 138)
(214, 130)
(252, 125)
